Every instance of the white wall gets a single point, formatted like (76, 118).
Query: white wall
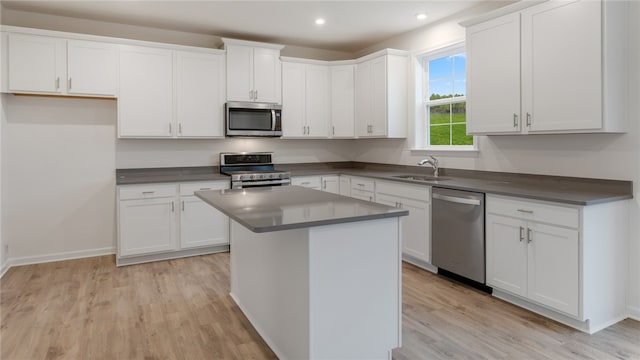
(58, 196)
(609, 156)
(166, 153)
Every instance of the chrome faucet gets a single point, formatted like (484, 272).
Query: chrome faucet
(431, 161)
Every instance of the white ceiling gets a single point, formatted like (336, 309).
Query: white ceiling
(350, 25)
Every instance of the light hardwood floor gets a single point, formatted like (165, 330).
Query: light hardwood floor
(180, 309)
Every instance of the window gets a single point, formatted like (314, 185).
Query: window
(444, 99)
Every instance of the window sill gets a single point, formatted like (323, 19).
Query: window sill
(461, 151)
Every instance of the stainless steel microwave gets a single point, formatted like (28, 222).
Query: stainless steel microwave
(253, 119)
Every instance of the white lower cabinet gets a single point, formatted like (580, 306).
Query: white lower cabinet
(363, 188)
(416, 233)
(200, 223)
(331, 184)
(345, 185)
(147, 226)
(565, 262)
(163, 221)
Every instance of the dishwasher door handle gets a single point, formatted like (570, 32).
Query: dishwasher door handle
(456, 200)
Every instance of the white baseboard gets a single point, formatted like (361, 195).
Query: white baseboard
(634, 313)
(39, 259)
(4, 268)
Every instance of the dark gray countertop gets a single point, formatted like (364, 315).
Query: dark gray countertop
(267, 209)
(568, 190)
(163, 175)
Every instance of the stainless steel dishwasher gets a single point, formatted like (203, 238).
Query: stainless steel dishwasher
(457, 233)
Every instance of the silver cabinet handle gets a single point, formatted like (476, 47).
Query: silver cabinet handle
(528, 119)
(256, 94)
(529, 236)
(308, 130)
(173, 207)
(361, 185)
(148, 192)
(525, 211)
(180, 128)
(57, 83)
(457, 200)
(324, 184)
(170, 128)
(205, 188)
(305, 183)
(521, 233)
(69, 83)
(515, 120)
(250, 94)
(182, 205)
(333, 130)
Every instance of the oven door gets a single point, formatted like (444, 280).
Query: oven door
(253, 119)
(246, 184)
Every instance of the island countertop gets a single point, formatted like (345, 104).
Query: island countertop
(266, 209)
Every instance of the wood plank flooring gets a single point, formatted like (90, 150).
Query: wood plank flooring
(181, 309)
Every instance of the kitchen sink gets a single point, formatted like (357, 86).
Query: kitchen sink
(427, 178)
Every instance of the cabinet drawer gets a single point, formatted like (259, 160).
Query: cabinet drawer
(362, 184)
(313, 182)
(416, 192)
(187, 189)
(146, 191)
(534, 211)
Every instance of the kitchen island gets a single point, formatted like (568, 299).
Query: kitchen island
(317, 274)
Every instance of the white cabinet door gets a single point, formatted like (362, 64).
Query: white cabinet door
(379, 97)
(345, 185)
(562, 66)
(36, 64)
(201, 224)
(267, 75)
(343, 101)
(506, 254)
(200, 95)
(293, 99)
(239, 73)
(331, 184)
(553, 258)
(146, 226)
(92, 68)
(364, 97)
(145, 103)
(416, 229)
(493, 76)
(317, 100)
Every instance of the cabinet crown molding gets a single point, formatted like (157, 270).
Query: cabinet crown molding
(228, 41)
(509, 9)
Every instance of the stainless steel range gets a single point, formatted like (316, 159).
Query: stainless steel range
(252, 170)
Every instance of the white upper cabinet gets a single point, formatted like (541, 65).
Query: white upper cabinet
(381, 94)
(343, 101)
(564, 60)
(305, 99)
(92, 68)
(493, 76)
(145, 104)
(36, 64)
(170, 94)
(200, 94)
(254, 71)
(50, 65)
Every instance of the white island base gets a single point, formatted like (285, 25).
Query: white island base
(325, 292)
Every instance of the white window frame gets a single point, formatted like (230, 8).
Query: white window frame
(422, 136)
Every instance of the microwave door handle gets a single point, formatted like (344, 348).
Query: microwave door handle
(273, 120)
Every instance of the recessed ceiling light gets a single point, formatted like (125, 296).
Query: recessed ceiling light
(319, 21)
(421, 16)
